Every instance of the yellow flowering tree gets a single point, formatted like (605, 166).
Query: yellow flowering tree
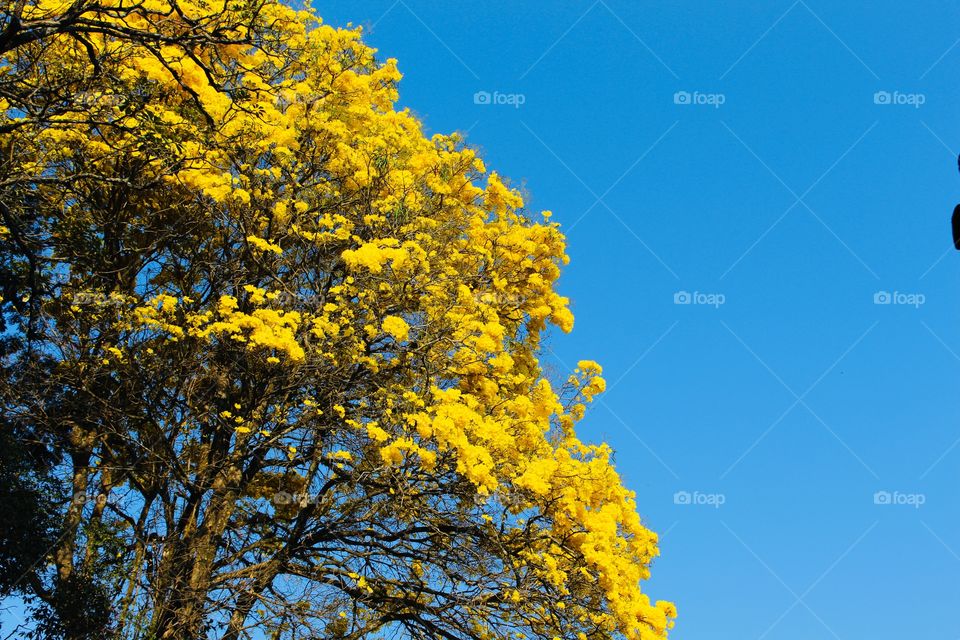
(276, 350)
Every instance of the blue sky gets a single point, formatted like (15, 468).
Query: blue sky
(785, 187)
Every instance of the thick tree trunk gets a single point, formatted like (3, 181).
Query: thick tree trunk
(63, 554)
(186, 570)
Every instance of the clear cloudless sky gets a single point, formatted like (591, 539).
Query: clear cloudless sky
(758, 432)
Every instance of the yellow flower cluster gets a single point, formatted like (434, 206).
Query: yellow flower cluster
(396, 327)
(373, 256)
(394, 453)
(264, 245)
(272, 329)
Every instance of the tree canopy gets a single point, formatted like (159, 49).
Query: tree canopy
(270, 353)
